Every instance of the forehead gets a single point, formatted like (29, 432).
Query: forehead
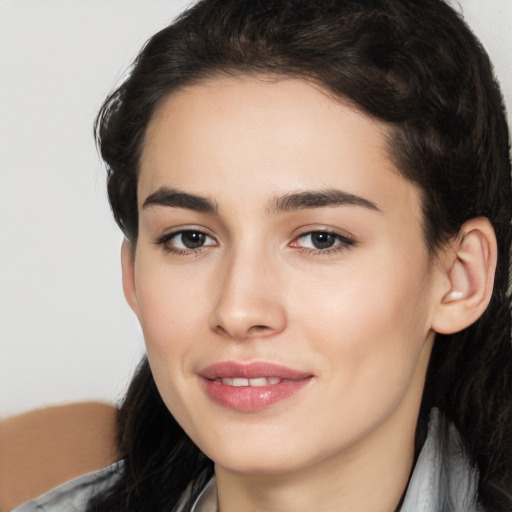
(261, 137)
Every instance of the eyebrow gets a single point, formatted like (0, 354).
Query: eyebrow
(319, 199)
(174, 198)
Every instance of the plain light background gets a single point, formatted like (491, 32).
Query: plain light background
(66, 333)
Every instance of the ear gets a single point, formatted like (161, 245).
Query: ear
(467, 267)
(128, 269)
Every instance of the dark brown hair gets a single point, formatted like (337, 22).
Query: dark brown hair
(413, 64)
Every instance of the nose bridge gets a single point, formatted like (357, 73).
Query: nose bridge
(248, 302)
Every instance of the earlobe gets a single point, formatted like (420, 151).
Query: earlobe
(128, 270)
(469, 267)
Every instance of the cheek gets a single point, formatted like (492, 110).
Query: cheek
(373, 321)
(172, 320)
(371, 330)
(171, 310)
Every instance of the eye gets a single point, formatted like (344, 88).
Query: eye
(318, 240)
(322, 241)
(186, 240)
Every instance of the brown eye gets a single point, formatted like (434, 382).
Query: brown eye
(191, 239)
(322, 241)
(185, 240)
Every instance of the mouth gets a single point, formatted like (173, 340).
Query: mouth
(251, 387)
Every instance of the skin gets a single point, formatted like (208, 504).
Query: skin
(359, 316)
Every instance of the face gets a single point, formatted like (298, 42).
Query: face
(280, 276)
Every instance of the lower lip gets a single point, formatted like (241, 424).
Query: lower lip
(252, 398)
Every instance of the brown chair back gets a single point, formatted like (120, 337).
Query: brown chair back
(43, 448)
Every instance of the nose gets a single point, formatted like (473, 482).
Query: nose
(249, 302)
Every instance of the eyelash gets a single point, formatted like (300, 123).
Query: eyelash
(343, 243)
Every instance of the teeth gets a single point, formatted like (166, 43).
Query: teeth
(258, 382)
(261, 381)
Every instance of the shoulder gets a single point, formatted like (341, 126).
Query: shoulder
(73, 496)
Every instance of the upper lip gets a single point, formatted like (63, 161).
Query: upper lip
(253, 370)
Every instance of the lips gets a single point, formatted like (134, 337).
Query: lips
(251, 387)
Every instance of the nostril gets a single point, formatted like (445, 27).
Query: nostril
(259, 329)
(220, 330)
(253, 331)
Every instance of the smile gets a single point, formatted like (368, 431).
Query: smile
(251, 387)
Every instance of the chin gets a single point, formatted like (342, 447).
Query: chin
(251, 456)
(264, 455)
(257, 466)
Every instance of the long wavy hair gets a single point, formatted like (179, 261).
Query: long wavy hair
(412, 64)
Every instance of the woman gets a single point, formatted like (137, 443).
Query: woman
(316, 201)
